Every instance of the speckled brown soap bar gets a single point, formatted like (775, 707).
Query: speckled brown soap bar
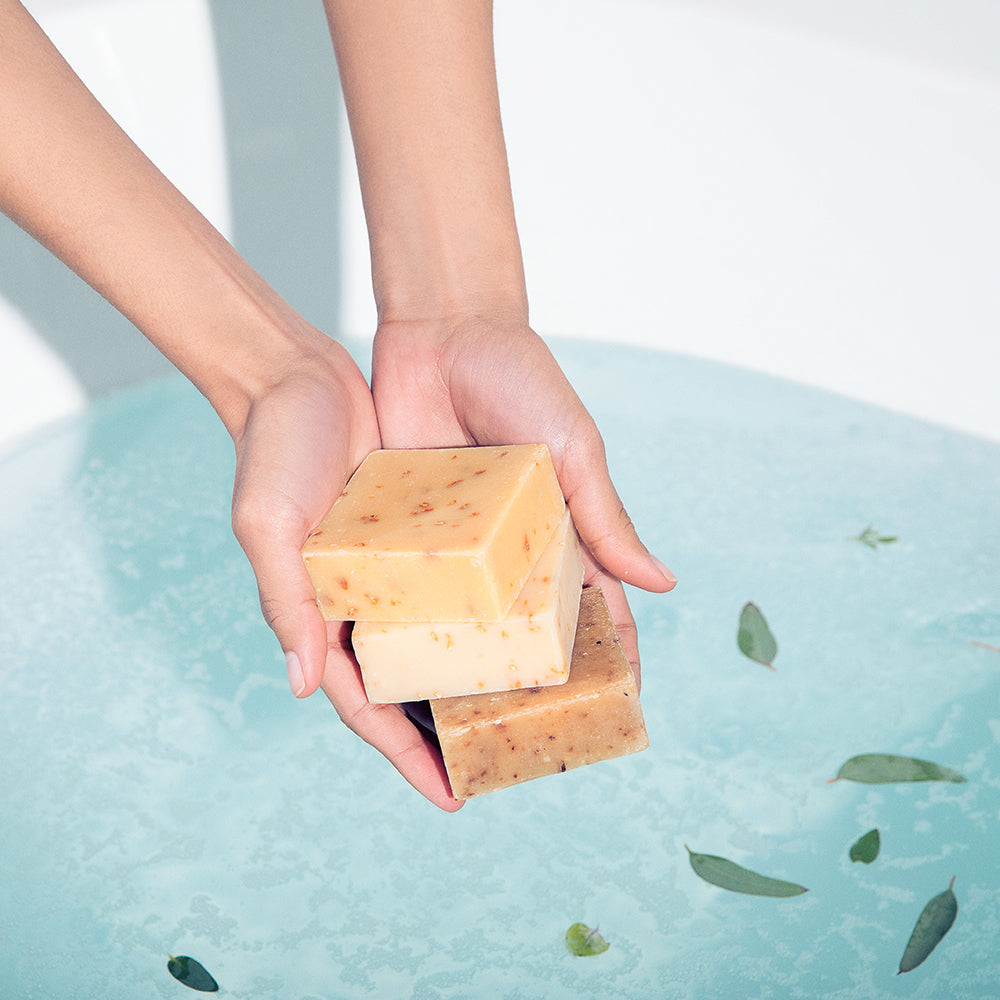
(491, 741)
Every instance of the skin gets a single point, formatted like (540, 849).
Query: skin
(454, 361)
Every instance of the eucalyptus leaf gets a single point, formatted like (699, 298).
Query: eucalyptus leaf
(754, 637)
(933, 923)
(583, 941)
(728, 875)
(865, 849)
(873, 539)
(191, 973)
(884, 768)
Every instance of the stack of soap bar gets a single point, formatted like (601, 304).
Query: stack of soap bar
(491, 741)
(529, 647)
(429, 535)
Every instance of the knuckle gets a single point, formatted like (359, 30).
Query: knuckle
(274, 613)
(249, 519)
(283, 617)
(360, 719)
(261, 523)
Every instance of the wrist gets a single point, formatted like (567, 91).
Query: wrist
(447, 255)
(203, 306)
(454, 251)
(240, 345)
(419, 83)
(430, 306)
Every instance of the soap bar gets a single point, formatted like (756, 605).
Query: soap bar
(441, 534)
(532, 646)
(492, 741)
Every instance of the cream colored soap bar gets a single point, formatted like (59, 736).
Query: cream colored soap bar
(445, 534)
(532, 646)
(491, 741)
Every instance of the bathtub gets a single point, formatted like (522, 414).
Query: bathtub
(801, 190)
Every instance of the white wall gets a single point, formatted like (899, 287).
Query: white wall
(801, 187)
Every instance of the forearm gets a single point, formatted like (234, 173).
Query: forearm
(74, 180)
(420, 87)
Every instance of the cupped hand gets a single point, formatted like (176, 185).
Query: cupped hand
(303, 438)
(481, 380)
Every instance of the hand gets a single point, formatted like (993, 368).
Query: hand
(303, 438)
(482, 381)
(454, 360)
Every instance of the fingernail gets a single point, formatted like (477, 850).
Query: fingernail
(296, 679)
(667, 575)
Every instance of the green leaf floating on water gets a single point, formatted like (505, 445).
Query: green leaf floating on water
(191, 973)
(884, 768)
(865, 849)
(754, 637)
(584, 941)
(729, 875)
(933, 923)
(873, 539)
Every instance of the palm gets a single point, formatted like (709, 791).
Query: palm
(478, 384)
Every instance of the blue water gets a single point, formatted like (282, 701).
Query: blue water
(163, 793)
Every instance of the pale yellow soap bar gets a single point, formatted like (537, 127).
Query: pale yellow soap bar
(447, 534)
(492, 741)
(532, 646)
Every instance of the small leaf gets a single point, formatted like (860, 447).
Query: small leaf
(754, 637)
(584, 941)
(866, 538)
(191, 973)
(865, 849)
(729, 875)
(883, 768)
(873, 539)
(933, 923)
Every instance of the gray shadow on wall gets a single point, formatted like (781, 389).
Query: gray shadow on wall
(280, 97)
(281, 101)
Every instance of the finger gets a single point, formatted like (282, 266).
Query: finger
(271, 527)
(287, 597)
(600, 516)
(385, 727)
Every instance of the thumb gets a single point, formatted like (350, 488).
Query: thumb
(294, 455)
(287, 595)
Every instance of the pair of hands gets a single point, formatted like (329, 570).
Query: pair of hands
(434, 384)
(420, 88)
